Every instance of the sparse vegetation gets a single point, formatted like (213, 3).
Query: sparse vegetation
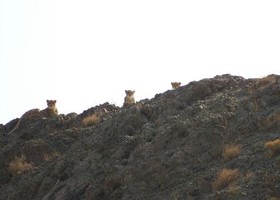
(50, 156)
(231, 151)
(272, 119)
(273, 146)
(263, 82)
(249, 176)
(224, 178)
(208, 140)
(274, 198)
(91, 120)
(19, 165)
(266, 80)
(233, 189)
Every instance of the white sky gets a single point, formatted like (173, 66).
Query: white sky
(86, 52)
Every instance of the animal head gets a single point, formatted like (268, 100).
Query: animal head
(129, 92)
(51, 103)
(175, 85)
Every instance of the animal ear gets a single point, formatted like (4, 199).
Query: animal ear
(126, 91)
(48, 101)
(133, 91)
(54, 101)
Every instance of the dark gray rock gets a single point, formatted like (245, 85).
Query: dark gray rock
(168, 147)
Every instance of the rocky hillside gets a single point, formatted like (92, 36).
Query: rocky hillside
(216, 138)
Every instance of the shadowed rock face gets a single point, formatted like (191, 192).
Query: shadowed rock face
(168, 147)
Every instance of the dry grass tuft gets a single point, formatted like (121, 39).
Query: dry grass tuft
(19, 165)
(233, 189)
(231, 151)
(272, 119)
(91, 120)
(273, 146)
(263, 82)
(266, 80)
(274, 198)
(225, 177)
(50, 156)
(249, 176)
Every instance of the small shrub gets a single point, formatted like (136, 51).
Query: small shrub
(91, 120)
(249, 176)
(233, 189)
(263, 82)
(266, 80)
(273, 146)
(274, 198)
(231, 151)
(50, 156)
(272, 119)
(225, 177)
(19, 165)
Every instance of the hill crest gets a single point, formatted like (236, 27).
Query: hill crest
(205, 140)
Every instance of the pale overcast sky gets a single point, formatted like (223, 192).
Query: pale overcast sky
(87, 52)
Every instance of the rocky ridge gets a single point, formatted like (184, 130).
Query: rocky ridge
(169, 147)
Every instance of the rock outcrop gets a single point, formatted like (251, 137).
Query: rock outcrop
(169, 147)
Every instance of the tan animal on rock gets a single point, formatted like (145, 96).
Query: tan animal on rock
(175, 85)
(49, 112)
(129, 98)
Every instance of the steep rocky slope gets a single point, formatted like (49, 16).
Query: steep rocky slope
(169, 147)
